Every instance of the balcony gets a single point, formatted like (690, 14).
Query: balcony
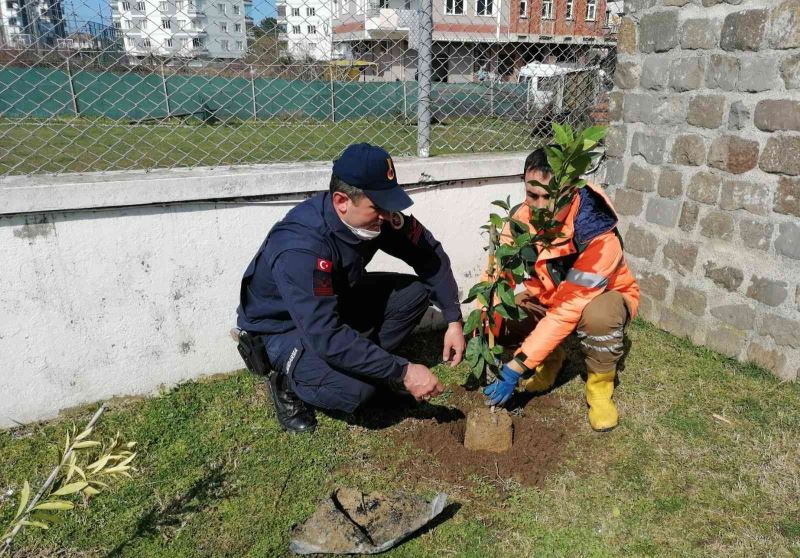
(195, 10)
(388, 23)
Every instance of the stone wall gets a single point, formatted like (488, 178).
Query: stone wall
(704, 162)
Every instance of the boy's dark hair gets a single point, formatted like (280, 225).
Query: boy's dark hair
(339, 185)
(537, 160)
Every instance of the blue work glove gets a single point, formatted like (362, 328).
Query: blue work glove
(501, 389)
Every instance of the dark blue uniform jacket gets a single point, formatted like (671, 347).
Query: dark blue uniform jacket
(310, 257)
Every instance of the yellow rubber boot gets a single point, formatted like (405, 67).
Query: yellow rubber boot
(602, 411)
(546, 372)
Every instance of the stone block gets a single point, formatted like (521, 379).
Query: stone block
(722, 72)
(615, 101)
(706, 111)
(689, 149)
(655, 72)
(743, 30)
(788, 241)
(758, 73)
(627, 75)
(640, 178)
(690, 299)
(704, 187)
(648, 311)
(740, 316)
(658, 32)
(616, 140)
(781, 155)
(717, 224)
(727, 277)
(784, 331)
(678, 3)
(676, 324)
(738, 116)
(766, 358)
(701, 33)
(733, 154)
(680, 256)
(615, 171)
(689, 213)
(726, 340)
(790, 71)
(777, 115)
(641, 242)
(626, 36)
(628, 202)
(650, 146)
(767, 291)
(653, 284)
(741, 194)
(755, 234)
(662, 211)
(784, 25)
(787, 197)
(686, 74)
(670, 183)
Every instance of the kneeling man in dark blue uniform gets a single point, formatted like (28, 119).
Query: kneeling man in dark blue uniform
(317, 323)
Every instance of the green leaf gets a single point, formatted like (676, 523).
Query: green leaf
(502, 204)
(47, 517)
(23, 499)
(70, 488)
(501, 310)
(87, 444)
(523, 239)
(506, 294)
(496, 220)
(474, 350)
(562, 137)
(55, 505)
(505, 250)
(473, 321)
(38, 524)
(595, 133)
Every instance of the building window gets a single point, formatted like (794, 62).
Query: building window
(296, 12)
(239, 45)
(223, 8)
(140, 6)
(295, 29)
(570, 3)
(523, 8)
(454, 7)
(312, 29)
(12, 21)
(162, 6)
(146, 43)
(484, 8)
(591, 10)
(117, 25)
(197, 42)
(166, 24)
(547, 9)
(224, 45)
(183, 42)
(10, 5)
(126, 6)
(168, 43)
(607, 21)
(310, 11)
(237, 27)
(223, 27)
(236, 10)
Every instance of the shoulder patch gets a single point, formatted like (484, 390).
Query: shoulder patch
(323, 283)
(396, 220)
(324, 265)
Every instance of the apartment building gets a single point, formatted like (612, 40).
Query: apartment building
(306, 28)
(25, 23)
(472, 39)
(214, 29)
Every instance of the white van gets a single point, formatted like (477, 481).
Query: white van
(559, 87)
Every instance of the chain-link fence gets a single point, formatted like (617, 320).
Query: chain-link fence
(92, 85)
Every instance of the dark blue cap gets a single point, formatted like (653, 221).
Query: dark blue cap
(371, 169)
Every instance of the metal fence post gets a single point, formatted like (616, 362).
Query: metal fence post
(72, 94)
(424, 77)
(253, 91)
(405, 101)
(164, 86)
(333, 94)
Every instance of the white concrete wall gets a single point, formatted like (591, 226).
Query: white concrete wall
(118, 283)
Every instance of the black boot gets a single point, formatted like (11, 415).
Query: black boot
(292, 413)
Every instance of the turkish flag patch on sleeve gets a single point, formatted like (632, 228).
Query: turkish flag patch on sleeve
(324, 265)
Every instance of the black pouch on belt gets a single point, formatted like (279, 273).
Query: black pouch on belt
(252, 350)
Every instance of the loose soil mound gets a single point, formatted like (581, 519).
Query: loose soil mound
(541, 431)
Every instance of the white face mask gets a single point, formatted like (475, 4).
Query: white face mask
(362, 234)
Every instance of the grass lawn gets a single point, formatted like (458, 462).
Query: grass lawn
(217, 477)
(82, 145)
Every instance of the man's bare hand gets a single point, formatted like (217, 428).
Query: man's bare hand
(454, 343)
(421, 383)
